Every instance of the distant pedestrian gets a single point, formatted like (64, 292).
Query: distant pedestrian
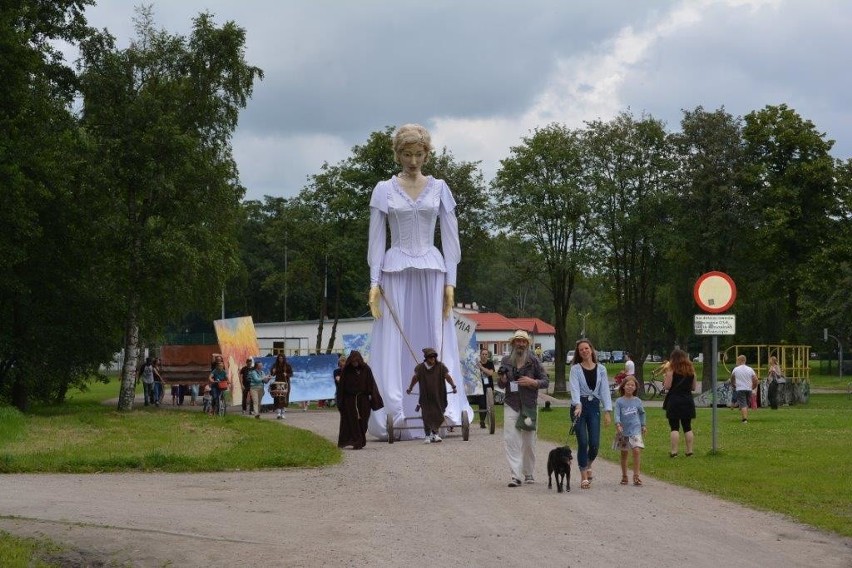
(159, 390)
(218, 381)
(745, 381)
(341, 362)
(487, 374)
(679, 405)
(207, 400)
(246, 386)
(282, 372)
(148, 374)
(256, 380)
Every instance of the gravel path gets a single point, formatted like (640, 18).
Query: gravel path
(405, 504)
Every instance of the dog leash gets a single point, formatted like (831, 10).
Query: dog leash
(573, 427)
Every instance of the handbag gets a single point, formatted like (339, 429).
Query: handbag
(223, 385)
(527, 418)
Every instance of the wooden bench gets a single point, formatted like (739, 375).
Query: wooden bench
(185, 374)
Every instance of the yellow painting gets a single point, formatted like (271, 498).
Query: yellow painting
(237, 342)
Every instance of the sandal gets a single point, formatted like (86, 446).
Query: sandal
(688, 454)
(624, 480)
(585, 484)
(636, 481)
(673, 455)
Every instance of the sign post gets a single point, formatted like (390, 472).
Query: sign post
(714, 292)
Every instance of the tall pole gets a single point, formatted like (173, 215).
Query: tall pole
(223, 302)
(285, 299)
(714, 367)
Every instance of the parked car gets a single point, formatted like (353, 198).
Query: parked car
(570, 357)
(604, 356)
(698, 358)
(548, 356)
(617, 357)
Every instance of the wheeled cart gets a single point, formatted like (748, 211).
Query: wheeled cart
(393, 431)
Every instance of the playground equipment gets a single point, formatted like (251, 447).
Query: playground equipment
(792, 359)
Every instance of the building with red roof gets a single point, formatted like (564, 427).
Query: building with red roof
(494, 331)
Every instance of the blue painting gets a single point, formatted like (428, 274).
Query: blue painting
(313, 377)
(357, 342)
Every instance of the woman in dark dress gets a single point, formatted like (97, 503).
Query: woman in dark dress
(487, 374)
(358, 396)
(679, 405)
(280, 387)
(341, 362)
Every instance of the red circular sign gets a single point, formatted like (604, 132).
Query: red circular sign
(714, 292)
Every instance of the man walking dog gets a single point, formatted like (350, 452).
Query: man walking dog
(521, 375)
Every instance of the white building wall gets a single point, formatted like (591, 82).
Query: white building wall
(300, 337)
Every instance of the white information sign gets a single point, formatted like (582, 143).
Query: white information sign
(713, 324)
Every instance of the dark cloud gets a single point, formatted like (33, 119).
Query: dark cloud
(337, 70)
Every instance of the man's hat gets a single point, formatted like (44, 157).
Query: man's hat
(520, 334)
(429, 351)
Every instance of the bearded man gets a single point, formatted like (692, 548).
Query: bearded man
(521, 376)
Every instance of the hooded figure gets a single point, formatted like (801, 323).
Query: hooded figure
(432, 375)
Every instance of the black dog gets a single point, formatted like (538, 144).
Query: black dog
(559, 463)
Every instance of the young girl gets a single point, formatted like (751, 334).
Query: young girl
(630, 427)
(207, 401)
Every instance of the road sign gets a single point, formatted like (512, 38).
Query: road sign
(714, 292)
(705, 324)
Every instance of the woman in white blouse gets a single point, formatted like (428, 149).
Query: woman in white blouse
(412, 283)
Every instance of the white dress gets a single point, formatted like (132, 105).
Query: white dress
(412, 274)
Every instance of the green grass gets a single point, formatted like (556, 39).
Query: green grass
(85, 436)
(27, 552)
(794, 460)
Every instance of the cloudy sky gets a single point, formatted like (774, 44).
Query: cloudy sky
(481, 74)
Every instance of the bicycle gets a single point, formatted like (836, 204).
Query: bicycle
(220, 404)
(652, 390)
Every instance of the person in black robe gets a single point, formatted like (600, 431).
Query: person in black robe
(358, 396)
(432, 376)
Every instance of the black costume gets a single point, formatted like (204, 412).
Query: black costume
(358, 396)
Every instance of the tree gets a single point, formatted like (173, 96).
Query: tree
(710, 217)
(160, 116)
(541, 199)
(630, 165)
(790, 188)
(827, 279)
(55, 316)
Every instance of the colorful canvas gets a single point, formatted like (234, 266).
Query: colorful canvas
(237, 342)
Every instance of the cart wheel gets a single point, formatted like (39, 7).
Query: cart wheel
(390, 429)
(489, 405)
(465, 426)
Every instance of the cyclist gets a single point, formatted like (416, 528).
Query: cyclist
(218, 386)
